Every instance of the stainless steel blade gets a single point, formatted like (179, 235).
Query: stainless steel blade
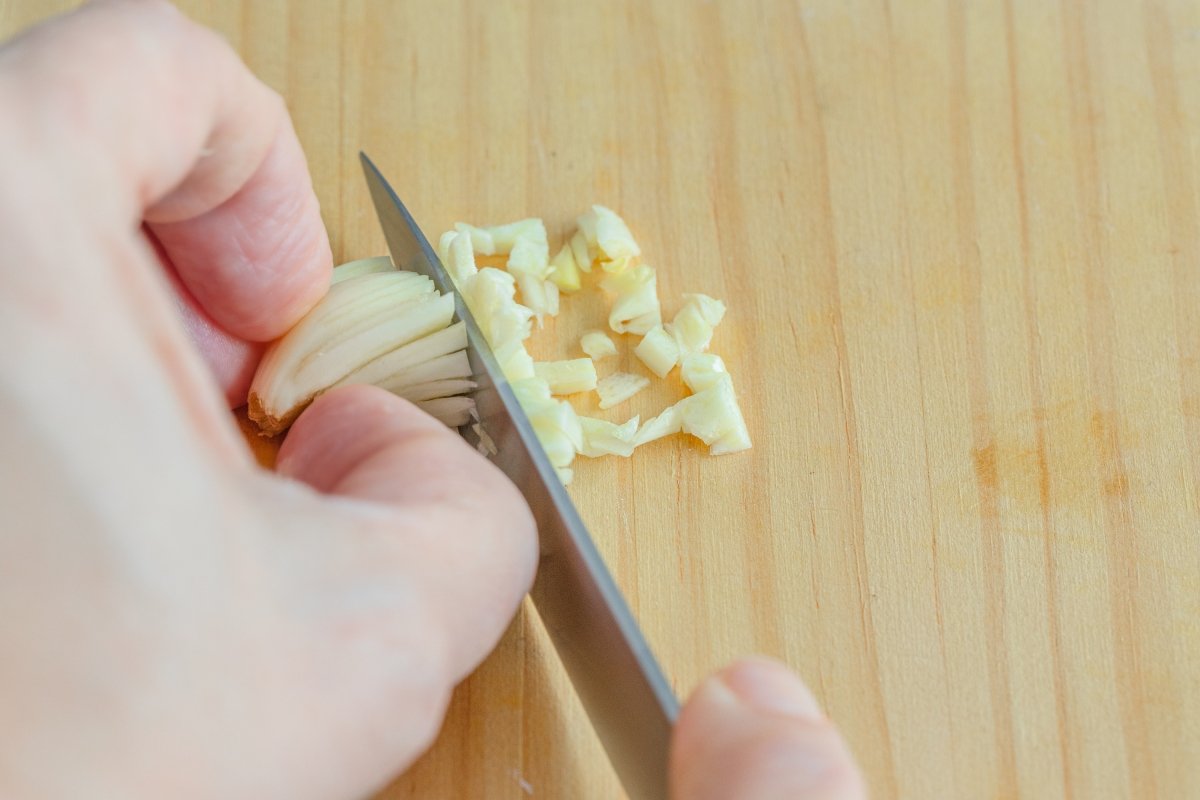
(620, 684)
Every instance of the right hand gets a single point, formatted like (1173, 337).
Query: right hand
(754, 732)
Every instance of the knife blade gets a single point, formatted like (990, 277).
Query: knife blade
(619, 682)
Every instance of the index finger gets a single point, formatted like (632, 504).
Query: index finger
(158, 118)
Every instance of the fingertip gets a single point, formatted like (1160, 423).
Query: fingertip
(749, 732)
(770, 687)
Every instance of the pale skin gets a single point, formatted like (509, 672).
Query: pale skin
(174, 621)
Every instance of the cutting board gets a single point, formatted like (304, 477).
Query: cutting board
(960, 247)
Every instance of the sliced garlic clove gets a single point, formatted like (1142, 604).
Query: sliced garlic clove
(363, 266)
(369, 328)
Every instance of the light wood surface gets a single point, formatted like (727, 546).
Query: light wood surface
(960, 246)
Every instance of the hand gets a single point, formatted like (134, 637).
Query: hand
(755, 732)
(175, 622)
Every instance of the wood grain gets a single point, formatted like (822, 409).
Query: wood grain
(961, 250)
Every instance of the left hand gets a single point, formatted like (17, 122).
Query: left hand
(175, 622)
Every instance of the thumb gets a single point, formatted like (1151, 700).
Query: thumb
(755, 732)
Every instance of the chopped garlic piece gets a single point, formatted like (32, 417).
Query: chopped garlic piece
(565, 475)
(618, 265)
(490, 296)
(530, 257)
(597, 345)
(443, 247)
(364, 266)
(459, 259)
(515, 361)
(579, 249)
(565, 271)
(554, 421)
(635, 307)
(567, 377)
(619, 387)
(607, 235)
(668, 422)
(601, 437)
(524, 242)
(658, 351)
(693, 325)
(713, 414)
(502, 239)
(702, 370)
(735, 440)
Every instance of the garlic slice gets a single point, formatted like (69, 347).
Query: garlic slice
(619, 387)
(363, 266)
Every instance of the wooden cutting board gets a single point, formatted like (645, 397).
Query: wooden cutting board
(960, 246)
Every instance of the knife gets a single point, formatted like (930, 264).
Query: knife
(619, 682)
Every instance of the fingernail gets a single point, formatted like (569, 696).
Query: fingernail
(768, 686)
